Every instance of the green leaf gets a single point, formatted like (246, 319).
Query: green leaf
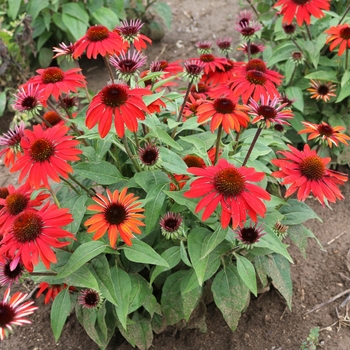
(281, 53)
(43, 38)
(140, 292)
(76, 205)
(76, 27)
(289, 70)
(172, 162)
(147, 179)
(141, 252)
(195, 244)
(164, 11)
(247, 274)
(13, 8)
(231, 295)
(344, 92)
(296, 212)
(154, 207)
(278, 269)
(34, 7)
(2, 103)
(260, 263)
(183, 254)
(45, 57)
(122, 285)
(165, 138)
(172, 256)
(212, 240)
(176, 306)
(60, 310)
(82, 277)
(101, 268)
(106, 17)
(294, 92)
(103, 173)
(57, 19)
(82, 254)
(345, 78)
(328, 75)
(76, 11)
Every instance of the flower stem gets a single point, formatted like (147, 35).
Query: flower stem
(70, 185)
(301, 50)
(129, 153)
(218, 139)
(258, 132)
(308, 32)
(53, 194)
(346, 12)
(137, 142)
(176, 183)
(185, 100)
(236, 140)
(43, 274)
(89, 192)
(253, 8)
(248, 49)
(109, 68)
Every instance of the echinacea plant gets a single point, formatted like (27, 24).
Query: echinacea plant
(133, 204)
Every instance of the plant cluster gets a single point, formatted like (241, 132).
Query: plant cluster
(137, 201)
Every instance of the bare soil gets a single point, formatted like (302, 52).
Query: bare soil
(267, 324)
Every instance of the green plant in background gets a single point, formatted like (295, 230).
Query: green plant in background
(312, 340)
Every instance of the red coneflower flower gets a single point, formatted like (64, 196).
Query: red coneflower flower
(118, 213)
(250, 235)
(232, 188)
(99, 40)
(17, 201)
(170, 225)
(46, 153)
(4, 192)
(322, 90)
(268, 112)
(301, 10)
(223, 111)
(89, 298)
(193, 70)
(54, 81)
(204, 47)
(165, 66)
(244, 17)
(211, 63)
(200, 90)
(191, 107)
(284, 99)
(255, 49)
(8, 276)
(28, 99)
(325, 133)
(120, 101)
(64, 50)
(289, 29)
(128, 65)
(11, 142)
(149, 155)
(68, 102)
(51, 291)
(130, 32)
(34, 233)
(248, 29)
(13, 312)
(224, 45)
(53, 118)
(222, 76)
(306, 172)
(254, 79)
(339, 35)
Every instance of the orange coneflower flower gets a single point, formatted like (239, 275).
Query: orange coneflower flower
(321, 90)
(306, 172)
(301, 10)
(325, 132)
(120, 102)
(13, 312)
(99, 40)
(232, 188)
(46, 153)
(339, 35)
(34, 233)
(118, 213)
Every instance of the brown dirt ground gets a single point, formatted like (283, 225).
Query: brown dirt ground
(267, 324)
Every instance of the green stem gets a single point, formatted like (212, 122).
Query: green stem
(70, 185)
(89, 192)
(176, 183)
(236, 140)
(258, 132)
(109, 68)
(129, 153)
(53, 194)
(116, 160)
(308, 32)
(218, 139)
(318, 147)
(137, 142)
(253, 8)
(43, 274)
(292, 77)
(248, 49)
(346, 12)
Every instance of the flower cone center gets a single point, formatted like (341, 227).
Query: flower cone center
(127, 64)
(29, 102)
(300, 2)
(312, 167)
(229, 182)
(27, 226)
(256, 77)
(323, 90)
(114, 95)
(52, 117)
(224, 105)
(91, 299)
(149, 156)
(52, 75)
(267, 112)
(249, 234)
(325, 130)
(171, 224)
(345, 33)
(7, 315)
(207, 57)
(247, 31)
(16, 203)
(4, 192)
(97, 33)
(194, 161)
(41, 150)
(254, 49)
(256, 65)
(115, 214)
(12, 275)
